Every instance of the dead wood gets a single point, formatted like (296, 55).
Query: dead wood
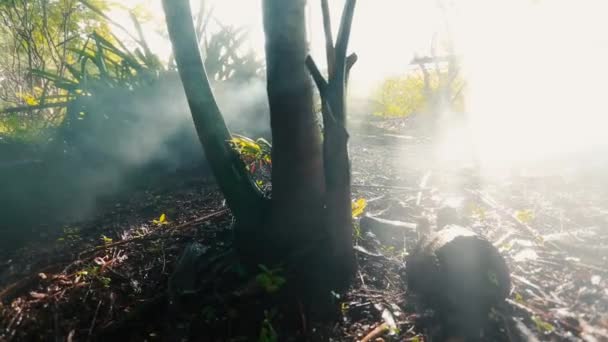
(459, 274)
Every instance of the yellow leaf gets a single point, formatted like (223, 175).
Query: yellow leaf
(29, 99)
(106, 239)
(161, 220)
(358, 207)
(245, 143)
(524, 216)
(478, 211)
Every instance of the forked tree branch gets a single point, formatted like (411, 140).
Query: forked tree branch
(343, 39)
(329, 120)
(335, 142)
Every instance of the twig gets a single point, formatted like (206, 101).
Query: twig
(164, 259)
(362, 280)
(541, 293)
(94, 320)
(19, 285)
(377, 332)
(423, 183)
(153, 235)
(494, 205)
(382, 187)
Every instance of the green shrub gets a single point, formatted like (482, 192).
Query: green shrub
(400, 96)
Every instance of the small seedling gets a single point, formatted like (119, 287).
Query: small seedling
(267, 332)
(542, 326)
(269, 279)
(106, 240)
(105, 281)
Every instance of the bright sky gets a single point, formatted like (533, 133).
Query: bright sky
(536, 69)
(385, 30)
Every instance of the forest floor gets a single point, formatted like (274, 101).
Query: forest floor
(107, 277)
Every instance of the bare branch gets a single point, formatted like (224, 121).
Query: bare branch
(329, 38)
(344, 36)
(316, 76)
(350, 62)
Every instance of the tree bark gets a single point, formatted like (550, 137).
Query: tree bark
(338, 215)
(310, 222)
(242, 195)
(297, 159)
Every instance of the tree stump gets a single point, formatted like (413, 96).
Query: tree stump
(460, 275)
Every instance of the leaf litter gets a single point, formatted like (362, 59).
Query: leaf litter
(94, 275)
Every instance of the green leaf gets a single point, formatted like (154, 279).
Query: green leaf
(75, 72)
(541, 325)
(100, 59)
(52, 77)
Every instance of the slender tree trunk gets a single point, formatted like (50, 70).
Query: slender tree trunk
(338, 216)
(297, 157)
(242, 195)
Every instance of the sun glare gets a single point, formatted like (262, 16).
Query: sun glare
(534, 68)
(536, 71)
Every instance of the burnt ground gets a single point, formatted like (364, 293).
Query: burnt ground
(106, 278)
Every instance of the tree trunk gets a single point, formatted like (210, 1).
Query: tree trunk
(242, 195)
(310, 223)
(338, 216)
(297, 158)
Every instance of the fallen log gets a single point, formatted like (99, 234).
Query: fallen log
(460, 275)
